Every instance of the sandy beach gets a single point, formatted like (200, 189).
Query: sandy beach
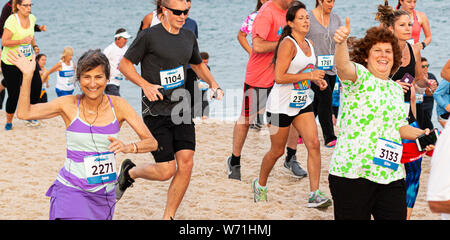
(32, 156)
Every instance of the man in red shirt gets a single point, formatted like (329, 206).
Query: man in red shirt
(260, 75)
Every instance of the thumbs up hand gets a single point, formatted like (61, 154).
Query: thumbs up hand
(342, 32)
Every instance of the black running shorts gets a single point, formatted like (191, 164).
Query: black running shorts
(171, 137)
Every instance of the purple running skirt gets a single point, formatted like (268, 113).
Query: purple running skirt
(68, 203)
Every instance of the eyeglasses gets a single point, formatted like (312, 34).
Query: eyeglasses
(425, 66)
(178, 12)
(26, 5)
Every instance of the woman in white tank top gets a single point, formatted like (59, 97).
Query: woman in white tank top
(289, 103)
(152, 18)
(66, 73)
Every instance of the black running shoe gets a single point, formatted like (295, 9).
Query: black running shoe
(124, 180)
(234, 172)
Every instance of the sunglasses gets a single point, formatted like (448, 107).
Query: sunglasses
(178, 12)
(425, 66)
(26, 5)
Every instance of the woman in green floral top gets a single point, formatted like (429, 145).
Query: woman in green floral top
(366, 176)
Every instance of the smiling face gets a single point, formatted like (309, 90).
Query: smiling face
(301, 22)
(403, 28)
(380, 60)
(93, 82)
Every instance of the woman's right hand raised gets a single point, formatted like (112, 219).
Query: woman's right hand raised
(342, 32)
(26, 66)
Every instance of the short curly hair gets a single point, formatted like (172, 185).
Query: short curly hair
(360, 48)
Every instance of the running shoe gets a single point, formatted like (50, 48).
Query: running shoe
(124, 180)
(318, 200)
(293, 167)
(331, 144)
(8, 126)
(35, 123)
(259, 193)
(234, 172)
(28, 123)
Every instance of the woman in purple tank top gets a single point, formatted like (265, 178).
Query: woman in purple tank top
(85, 186)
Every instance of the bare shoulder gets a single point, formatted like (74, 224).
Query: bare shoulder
(121, 106)
(148, 18)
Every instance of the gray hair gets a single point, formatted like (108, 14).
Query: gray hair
(90, 60)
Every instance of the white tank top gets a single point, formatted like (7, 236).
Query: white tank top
(155, 19)
(65, 78)
(280, 98)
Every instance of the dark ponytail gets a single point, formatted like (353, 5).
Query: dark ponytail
(287, 30)
(399, 5)
(258, 5)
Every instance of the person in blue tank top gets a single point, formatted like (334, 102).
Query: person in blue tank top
(85, 187)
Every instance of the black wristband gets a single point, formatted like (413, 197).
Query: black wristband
(423, 45)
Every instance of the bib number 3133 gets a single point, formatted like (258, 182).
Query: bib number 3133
(388, 154)
(100, 168)
(172, 78)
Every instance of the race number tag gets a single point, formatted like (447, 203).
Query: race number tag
(172, 78)
(419, 98)
(26, 50)
(298, 98)
(388, 154)
(325, 62)
(67, 73)
(100, 168)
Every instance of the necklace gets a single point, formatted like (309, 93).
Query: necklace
(91, 111)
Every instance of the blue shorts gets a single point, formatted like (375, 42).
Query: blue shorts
(61, 93)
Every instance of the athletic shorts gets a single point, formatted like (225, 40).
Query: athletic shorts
(171, 137)
(444, 117)
(284, 120)
(255, 99)
(61, 93)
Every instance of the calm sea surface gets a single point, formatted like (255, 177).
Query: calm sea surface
(88, 24)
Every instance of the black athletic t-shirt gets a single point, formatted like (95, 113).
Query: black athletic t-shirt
(158, 51)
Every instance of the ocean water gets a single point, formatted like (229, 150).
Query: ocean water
(89, 24)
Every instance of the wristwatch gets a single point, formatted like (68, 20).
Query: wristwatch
(423, 45)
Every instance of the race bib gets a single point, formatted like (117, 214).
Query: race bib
(100, 168)
(67, 73)
(419, 98)
(298, 98)
(172, 78)
(388, 154)
(325, 62)
(26, 50)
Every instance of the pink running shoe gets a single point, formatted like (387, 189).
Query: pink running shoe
(331, 144)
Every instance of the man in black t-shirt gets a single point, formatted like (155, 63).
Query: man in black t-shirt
(164, 51)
